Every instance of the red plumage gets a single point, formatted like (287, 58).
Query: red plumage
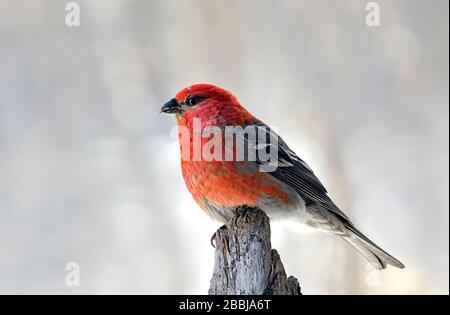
(219, 182)
(220, 185)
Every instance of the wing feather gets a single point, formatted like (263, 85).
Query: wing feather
(294, 172)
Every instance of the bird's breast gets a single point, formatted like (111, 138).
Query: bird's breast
(221, 186)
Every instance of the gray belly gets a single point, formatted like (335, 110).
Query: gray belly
(273, 207)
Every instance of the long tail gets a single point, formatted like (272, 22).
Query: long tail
(327, 221)
(374, 254)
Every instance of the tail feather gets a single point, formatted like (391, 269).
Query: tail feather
(374, 254)
(322, 219)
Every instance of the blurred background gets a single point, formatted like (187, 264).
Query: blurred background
(90, 174)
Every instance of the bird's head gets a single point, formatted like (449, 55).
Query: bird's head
(200, 100)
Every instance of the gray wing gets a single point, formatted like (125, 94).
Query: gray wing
(293, 171)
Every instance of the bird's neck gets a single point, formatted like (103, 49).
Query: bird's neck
(196, 128)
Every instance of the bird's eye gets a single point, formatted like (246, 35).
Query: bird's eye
(193, 100)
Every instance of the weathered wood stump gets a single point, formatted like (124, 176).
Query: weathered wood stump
(245, 263)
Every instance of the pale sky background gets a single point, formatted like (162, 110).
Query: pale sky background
(90, 174)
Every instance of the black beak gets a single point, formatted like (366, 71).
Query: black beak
(171, 107)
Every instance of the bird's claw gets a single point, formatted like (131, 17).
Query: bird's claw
(213, 237)
(242, 213)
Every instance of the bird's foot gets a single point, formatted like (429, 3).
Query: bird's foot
(242, 214)
(213, 237)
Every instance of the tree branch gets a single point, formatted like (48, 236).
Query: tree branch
(245, 262)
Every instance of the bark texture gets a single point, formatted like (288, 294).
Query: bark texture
(245, 263)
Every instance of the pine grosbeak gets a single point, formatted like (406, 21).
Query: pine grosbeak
(283, 187)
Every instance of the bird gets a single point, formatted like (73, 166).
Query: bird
(283, 185)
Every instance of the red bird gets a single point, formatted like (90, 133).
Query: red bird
(283, 186)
